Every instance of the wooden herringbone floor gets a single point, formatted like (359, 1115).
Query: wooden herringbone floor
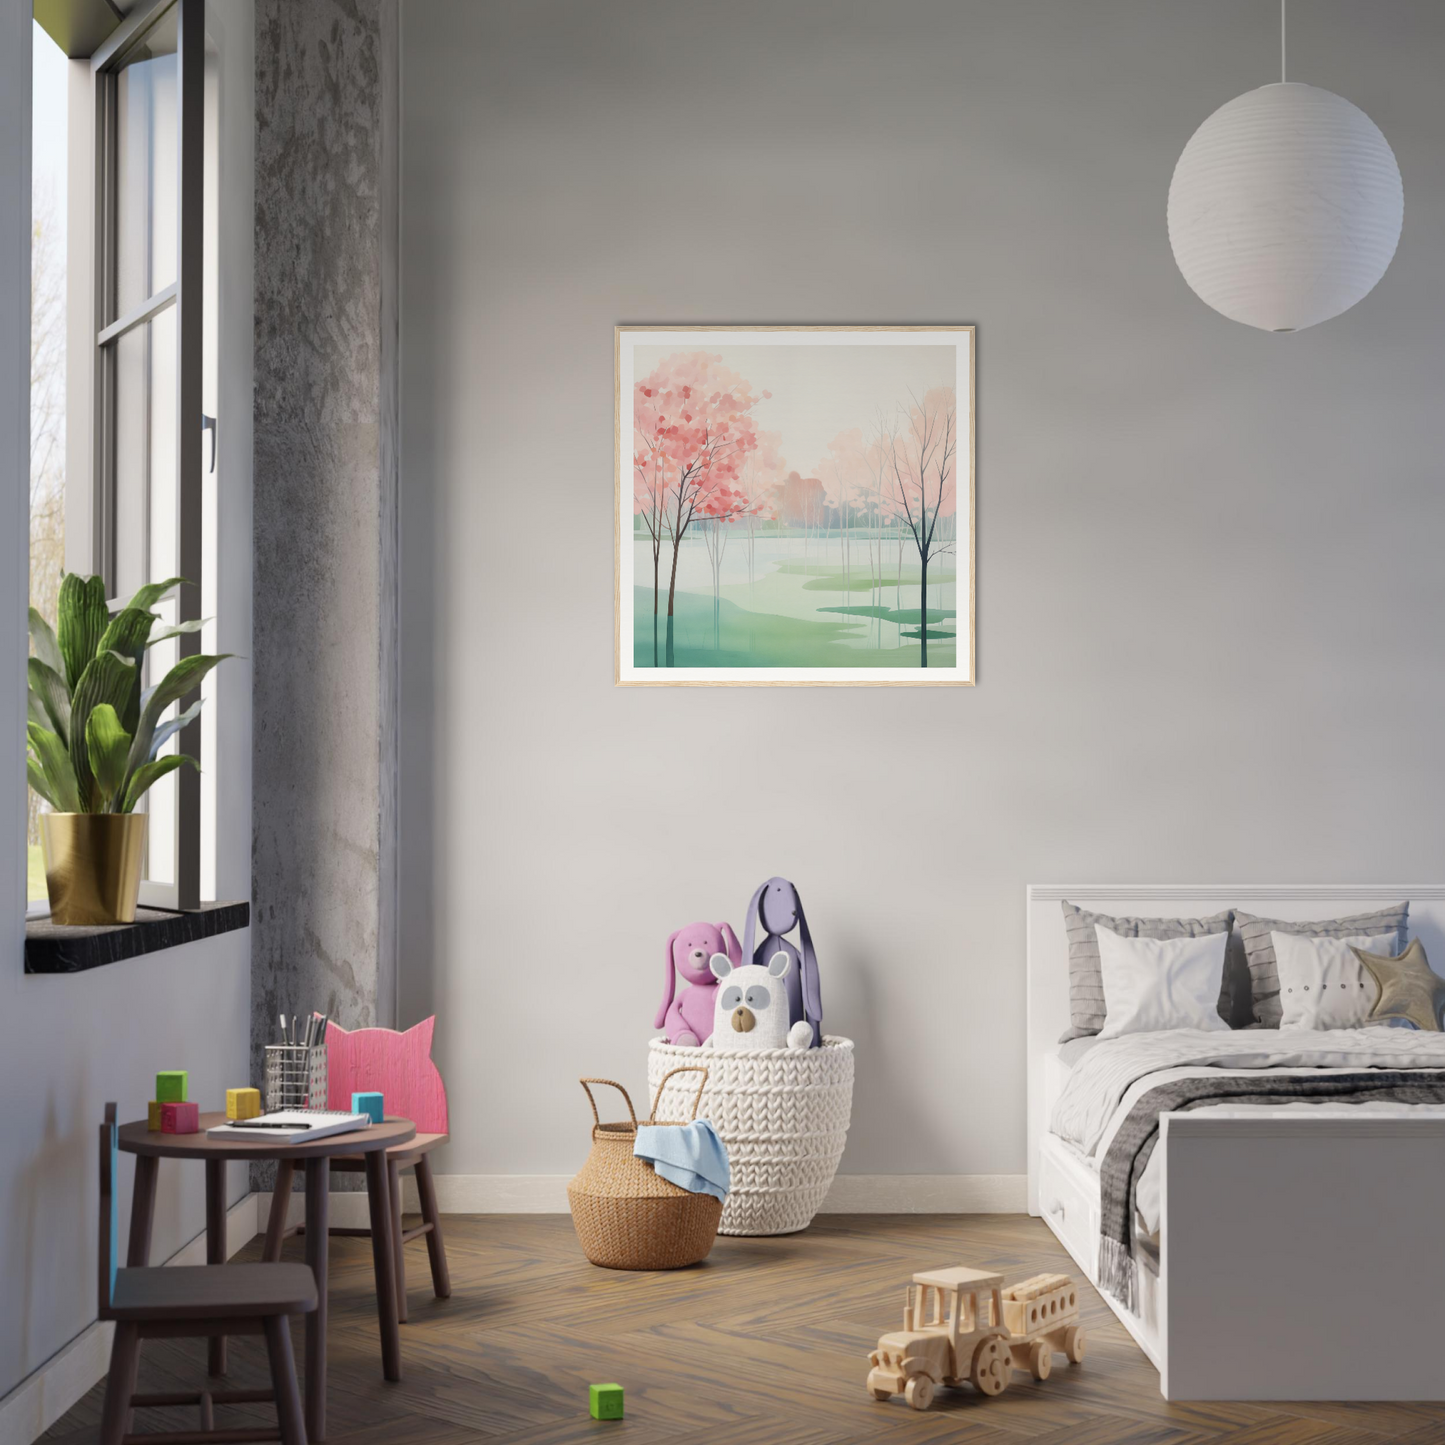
(765, 1344)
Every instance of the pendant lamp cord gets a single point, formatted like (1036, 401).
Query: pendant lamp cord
(1281, 41)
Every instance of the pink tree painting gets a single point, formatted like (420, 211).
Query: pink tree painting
(807, 496)
(693, 432)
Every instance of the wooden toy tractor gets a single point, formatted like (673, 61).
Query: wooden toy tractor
(961, 1324)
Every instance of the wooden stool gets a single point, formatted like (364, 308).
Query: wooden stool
(195, 1301)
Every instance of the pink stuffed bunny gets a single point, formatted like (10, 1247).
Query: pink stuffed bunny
(688, 1017)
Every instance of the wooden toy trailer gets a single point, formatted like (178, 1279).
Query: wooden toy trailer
(1042, 1315)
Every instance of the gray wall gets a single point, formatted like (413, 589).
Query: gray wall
(325, 519)
(69, 1043)
(1209, 577)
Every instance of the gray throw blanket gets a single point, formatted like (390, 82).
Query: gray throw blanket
(1134, 1142)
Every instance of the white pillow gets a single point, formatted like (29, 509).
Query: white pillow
(1160, 983)
(1322, 985)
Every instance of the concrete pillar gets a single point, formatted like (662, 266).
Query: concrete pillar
(325, 622)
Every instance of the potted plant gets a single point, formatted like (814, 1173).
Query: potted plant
(94, 739)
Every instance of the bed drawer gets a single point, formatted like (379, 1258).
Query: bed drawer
(1069, 1201)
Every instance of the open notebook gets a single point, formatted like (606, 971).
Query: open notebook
(290, 1126)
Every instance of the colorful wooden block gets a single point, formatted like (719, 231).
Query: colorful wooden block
(605, 1401)
(370, 1104)
(180, 1117)
(153, 1116)
(171, 1085)
(243, 1103)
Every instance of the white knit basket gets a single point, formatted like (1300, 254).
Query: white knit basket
(783, 1114)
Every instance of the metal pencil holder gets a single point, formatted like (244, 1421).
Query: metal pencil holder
(295, 1076)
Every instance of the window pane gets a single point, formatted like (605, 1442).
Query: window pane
(145, 454)
(145, 520)
(47, 360)
(146, 168)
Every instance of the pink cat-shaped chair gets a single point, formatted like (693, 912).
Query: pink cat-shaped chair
(400, 1068)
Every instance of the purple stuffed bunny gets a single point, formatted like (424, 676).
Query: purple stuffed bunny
(688, 1017)
(777, 906)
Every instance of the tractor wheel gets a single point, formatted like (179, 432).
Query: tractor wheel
(1074, 1344)
(879, 1394)
(919, 1392)
(992, 1365)
(1041, 1359)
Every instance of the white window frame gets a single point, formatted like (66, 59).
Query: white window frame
(93, 441)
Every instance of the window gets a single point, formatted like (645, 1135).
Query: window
(124, 492)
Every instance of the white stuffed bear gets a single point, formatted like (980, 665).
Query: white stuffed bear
(751, 1007)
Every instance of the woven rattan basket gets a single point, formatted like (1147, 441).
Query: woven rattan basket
(625, 1214)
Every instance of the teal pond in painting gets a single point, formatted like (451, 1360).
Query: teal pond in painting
(823, 600)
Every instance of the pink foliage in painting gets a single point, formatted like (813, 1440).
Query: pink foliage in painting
(692, 432)
(396, 1065)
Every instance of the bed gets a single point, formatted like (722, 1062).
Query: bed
(1278, 1247)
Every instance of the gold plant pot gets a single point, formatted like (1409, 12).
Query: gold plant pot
(92, 865)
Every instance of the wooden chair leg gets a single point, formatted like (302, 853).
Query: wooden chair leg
(283, 1380)
(280, 1205)
(378, 1194)
(440, 1276)
(120, 1384)
(398, 1257)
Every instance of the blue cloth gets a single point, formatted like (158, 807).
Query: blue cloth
(688, 1155)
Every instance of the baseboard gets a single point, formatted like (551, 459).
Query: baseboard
(547, 1194)
(44, 1395)
(928, 1194)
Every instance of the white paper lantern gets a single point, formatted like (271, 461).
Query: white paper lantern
(1285, 207)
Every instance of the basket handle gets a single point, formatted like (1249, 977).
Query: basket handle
(680, 1069)
(613, 1084)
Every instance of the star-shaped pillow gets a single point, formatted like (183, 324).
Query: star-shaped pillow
(1409, 988)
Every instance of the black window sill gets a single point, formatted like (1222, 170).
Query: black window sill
(49, 948)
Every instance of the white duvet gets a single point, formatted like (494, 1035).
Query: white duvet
(1104, 1085)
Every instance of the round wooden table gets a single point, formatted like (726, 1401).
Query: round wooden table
(372, 1142)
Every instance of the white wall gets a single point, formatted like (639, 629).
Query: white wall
(67, 1044)
(1209, 580)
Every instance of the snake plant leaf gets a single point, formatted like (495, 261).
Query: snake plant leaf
(49, 687)
(36, 776)
(129, 635)
(107, 745)
(57, 768)
(83, 619)
(42, 638)
(167, 730)
(109, 678)
(146, 597)
(35, 710)
(184, 676)
(149, 773)
(180, 630)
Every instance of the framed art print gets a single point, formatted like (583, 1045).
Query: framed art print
(795, 505)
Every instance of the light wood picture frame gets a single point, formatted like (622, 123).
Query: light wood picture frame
(794, 506)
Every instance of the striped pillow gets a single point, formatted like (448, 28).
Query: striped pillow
(1086, 979)
(1251, 938)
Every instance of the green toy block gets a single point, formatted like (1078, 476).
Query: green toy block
(605, 1401)
(171, 1086)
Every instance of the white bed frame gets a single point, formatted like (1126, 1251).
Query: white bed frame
(1302, 1256)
